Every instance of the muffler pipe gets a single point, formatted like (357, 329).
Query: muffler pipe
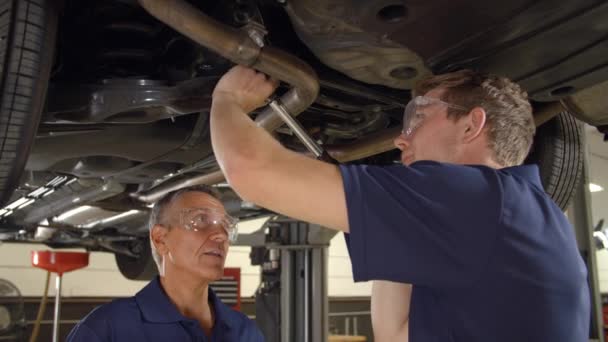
(371, 144)
(237, 46)
(155, 194)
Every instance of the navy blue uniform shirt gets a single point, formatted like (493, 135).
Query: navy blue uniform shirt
(491, 257)
(150, 316)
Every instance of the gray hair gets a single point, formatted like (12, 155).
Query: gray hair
(158, 212)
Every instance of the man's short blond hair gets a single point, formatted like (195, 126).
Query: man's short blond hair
(508, 112)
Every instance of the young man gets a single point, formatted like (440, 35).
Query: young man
(190, 233)
(489, 255)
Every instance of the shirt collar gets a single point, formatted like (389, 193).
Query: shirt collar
(157, 308)
(155, 304)
(223, 313)
(528, 172)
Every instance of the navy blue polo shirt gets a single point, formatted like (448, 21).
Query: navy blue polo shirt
(150, 316)
(491, 257)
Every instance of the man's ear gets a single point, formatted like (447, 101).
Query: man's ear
(475, 122)
(158, 235)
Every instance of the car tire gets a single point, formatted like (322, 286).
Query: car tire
(27, 42)
(142, 267)
(558, 151)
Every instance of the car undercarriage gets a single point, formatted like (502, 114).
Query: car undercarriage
(125, 118)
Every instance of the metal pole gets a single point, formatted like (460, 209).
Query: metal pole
(347, 326)
(300, 322)
(303, 279)
(319, 302)
(57, 307)
(287, 310)
(307, 295)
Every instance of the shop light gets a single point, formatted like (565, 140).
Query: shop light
(595, 188)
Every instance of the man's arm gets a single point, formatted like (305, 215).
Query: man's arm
(390, 311)
(262, 171)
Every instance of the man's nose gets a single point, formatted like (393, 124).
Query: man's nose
(401, 142)
(219, 234)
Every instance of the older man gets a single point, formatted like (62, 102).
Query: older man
(490, 256)
(190, 233)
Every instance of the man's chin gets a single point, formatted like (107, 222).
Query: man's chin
(211, 274)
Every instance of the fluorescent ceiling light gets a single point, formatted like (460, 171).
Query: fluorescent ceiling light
(595, 188)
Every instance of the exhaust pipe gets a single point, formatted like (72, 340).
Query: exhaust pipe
(237, 46)
(157, 193)
(240, 48)
(369, 145)
(373, 143)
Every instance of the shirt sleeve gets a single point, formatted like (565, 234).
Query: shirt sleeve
(82, 332)
(429, 224)
(258, 337)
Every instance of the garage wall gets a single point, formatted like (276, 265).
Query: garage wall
(602, 265)
(102, 278)
(598, 174)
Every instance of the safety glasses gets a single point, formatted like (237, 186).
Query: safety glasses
(414, 114)
(202, 219)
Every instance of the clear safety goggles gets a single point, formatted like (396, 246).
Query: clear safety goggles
(414, 114)
(202, 219)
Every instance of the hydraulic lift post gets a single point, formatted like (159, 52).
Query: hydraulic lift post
(291, 303)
